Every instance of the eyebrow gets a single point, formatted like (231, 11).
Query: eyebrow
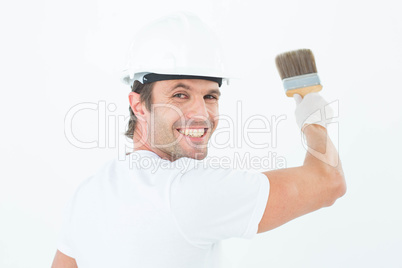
(216, 91)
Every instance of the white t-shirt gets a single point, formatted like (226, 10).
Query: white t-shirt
(148, 212)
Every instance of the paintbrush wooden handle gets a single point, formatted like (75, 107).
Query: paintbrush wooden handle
(303, 91)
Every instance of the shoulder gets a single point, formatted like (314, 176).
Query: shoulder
(106, 174)
(204, 172)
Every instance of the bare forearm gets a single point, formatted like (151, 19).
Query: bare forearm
(63, 261)
(321, 152)
(301, 190)
(322, 160)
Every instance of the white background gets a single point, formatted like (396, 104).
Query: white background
(57, 54)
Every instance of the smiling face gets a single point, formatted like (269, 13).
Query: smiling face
(183, 116)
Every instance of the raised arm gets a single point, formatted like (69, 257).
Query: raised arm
(301, 190)
(63, 261)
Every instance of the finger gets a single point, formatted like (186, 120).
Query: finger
(297, 98)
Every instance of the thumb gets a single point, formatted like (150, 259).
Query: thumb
(297, 98)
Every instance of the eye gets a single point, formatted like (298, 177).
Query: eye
(210, 97)
(180, 96)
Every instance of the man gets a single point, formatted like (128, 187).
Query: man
(161, 207)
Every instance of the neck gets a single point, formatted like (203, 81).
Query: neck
(141, 144)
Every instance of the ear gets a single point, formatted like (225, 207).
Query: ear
(135, 104)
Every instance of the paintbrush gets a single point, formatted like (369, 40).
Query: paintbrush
(298, 72)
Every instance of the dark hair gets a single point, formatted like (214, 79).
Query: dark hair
(145, 91)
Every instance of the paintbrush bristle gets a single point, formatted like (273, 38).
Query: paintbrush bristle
(295, 63)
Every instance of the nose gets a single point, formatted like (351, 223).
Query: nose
(197, 109)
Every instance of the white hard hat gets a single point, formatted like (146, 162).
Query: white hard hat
(179, 45)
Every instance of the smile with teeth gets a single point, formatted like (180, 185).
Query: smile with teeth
(193, 132)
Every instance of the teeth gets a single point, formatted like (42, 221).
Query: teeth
(192, 132)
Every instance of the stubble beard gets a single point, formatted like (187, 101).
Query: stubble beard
(164, 139)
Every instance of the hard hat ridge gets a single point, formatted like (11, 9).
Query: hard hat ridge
(179, 45)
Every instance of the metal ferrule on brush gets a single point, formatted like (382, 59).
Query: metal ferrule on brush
(300, 81)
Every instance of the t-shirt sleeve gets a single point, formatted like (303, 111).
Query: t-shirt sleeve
(210, 205)
(64, 241)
